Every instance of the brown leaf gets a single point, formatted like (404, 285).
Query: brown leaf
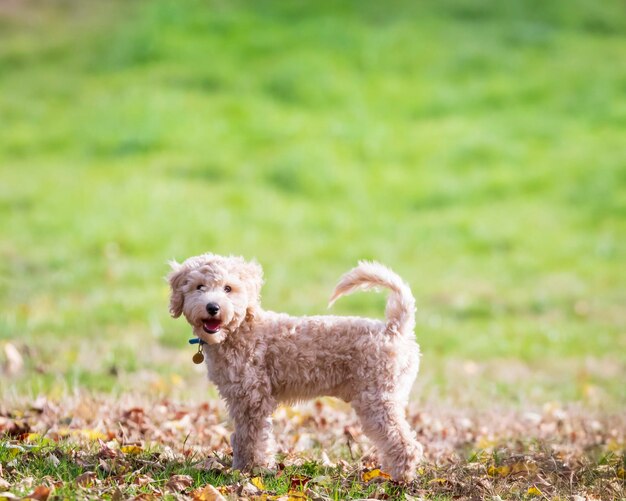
(86, 478)
(105, 451)
(117, 495)
(179, 483)
(299, 482)
(41, 493)
(142, 480)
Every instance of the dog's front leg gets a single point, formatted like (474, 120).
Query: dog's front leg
(252, 442)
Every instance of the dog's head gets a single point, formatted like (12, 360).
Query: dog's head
(215, 293)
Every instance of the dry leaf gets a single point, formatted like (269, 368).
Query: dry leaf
(248, 490)
(41, 493)
(53, 460)
(298, 482)
(438, 480)
(8, 496)
(179, 483)
(499, 471)
(296, 496)
(86, 478)
(207, 493)
(14, 362)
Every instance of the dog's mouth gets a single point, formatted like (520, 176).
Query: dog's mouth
(211, 325)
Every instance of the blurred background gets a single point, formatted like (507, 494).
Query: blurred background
(478, 148)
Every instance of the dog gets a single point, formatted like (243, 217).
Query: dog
(258, 359)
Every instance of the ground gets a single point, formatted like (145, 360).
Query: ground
(476, 148)
(88, 447)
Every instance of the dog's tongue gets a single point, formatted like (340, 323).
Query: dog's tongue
(211, 325)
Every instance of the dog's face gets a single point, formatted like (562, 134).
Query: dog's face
(215, 294)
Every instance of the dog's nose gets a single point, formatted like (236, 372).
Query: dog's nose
(212, 308)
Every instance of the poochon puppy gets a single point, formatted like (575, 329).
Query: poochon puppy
(259, 358)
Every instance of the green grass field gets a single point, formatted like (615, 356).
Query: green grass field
(478, 148)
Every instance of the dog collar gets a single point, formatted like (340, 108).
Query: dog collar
(196, 340)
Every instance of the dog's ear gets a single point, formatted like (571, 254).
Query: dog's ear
(176, 279)
(252, 276)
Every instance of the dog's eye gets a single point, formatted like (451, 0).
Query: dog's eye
(227, 289)
(200, 287)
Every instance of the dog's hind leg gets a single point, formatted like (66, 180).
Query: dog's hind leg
(385, 424)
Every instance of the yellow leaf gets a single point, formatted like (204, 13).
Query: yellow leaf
(621, 473)
(485, 443)
(534, 491)
(15, 450)
(258, 483)
(370, 475)
(525, 467)
(438, 481)
(207, 493)
(131, 449)
(92, 435)
(296, 496)
(33, 437)
(499, 471)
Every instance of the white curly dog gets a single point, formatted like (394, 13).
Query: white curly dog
(259, 358)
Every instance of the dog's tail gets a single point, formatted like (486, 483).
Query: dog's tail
(400, 310)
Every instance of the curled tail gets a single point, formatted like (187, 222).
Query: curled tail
(400, 310)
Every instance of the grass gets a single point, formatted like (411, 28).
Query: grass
(476, 148)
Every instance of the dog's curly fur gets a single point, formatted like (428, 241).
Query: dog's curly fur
(259, 358)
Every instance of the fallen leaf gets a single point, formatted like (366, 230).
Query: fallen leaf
(131, 449)
(14, 362)
(179, 483)
(93, 435)
(258, 483)
(376, 473)
(86, 478)
(207, 493)
(8, 496)
(534, 491)
(249, 490)
(498, 471)
(53, 460)
(438, 480)
(41, 493)
(299, 482)
(143, 480)
(210, 463)
(15, 450)
(296, 496)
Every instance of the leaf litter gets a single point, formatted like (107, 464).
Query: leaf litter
(96, 447)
